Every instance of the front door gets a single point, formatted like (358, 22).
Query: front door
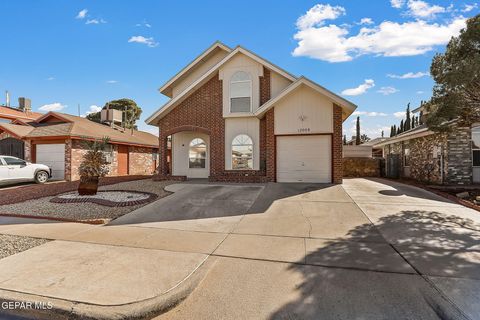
(122, 160)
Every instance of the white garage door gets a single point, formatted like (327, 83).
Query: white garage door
(52, 155)
(304, 159)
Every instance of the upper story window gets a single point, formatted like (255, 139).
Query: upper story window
(242, 152)
(197, 154)
(240, 92)
(476, 146)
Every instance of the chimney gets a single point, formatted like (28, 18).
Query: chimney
(7, 97)
(25, 104)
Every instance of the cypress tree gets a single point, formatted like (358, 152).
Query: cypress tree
(394, 130)
(344, 139)
(357, 137)
(413, 122)
(402, 126)
(408, 121)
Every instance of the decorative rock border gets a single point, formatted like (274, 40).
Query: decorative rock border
(103, 202)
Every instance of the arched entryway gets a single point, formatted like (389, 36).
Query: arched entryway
(12, 147)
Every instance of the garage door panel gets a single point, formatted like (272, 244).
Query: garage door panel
(52, 155)
(304, 158)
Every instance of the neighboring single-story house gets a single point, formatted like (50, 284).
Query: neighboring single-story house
(234, 116)
(439, 158)
(9, 114)
(56, 139)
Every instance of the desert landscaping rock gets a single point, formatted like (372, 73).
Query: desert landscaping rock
(110, 198)
(10, 245)
(87, 210)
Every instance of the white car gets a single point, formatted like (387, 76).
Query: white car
(13, 170)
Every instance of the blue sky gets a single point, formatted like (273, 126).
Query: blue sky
(64, 53)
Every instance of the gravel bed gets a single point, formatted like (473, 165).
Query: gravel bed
(87, 210)
(14, 244)
(11, 194)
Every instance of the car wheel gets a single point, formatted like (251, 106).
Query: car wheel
(41, 177)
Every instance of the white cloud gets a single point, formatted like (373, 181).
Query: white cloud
(409, 75)
(50, 78)
(420, 92)
(361, 89)
(469, 7)
(318, 14)
(387, 90)
(366, 21)
(333, 43)
(94, 109)
(369, 114)
(144, 24)
(147, 41)
(95, 21)
(423, 10)
(397, 3)
(82, 14)
(57, 106)
(399, 114)
(112, 81)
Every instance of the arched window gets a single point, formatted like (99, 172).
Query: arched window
(197, 154)
(242, 152)
(240, 92)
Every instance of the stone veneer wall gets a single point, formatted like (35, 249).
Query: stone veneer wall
(140, 161)
(459, 156)
(430, 154)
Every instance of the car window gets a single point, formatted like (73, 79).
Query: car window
(14, 161)
(2, 163)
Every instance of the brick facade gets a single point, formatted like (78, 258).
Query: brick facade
(140, 160)
(202, 111)
(337, 145)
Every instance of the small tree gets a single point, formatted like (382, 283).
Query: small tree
(413, 123)
(364, 138)
(382, 133)
(357, 137)
(94, 165)
(130, 112)
(344, 139)
(394, 131)
(402, 126)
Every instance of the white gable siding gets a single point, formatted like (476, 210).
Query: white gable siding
(198, 71)
(240, 62)
(315, 108)
(277, 84)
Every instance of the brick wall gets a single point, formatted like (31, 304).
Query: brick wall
(337, 158)
(203, 111)
(140, 160)
(361, 167)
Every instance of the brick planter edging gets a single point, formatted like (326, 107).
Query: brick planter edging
(108, 203)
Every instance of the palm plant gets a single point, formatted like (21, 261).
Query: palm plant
(94, 165)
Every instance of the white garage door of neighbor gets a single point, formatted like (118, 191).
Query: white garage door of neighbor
(304, 159)
(52, 155)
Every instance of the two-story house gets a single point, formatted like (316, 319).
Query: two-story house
(234, 116)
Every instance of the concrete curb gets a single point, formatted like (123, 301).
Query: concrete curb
(144, 309)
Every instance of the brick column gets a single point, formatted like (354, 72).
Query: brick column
(337, 156)
(162, 154)
(270, 145)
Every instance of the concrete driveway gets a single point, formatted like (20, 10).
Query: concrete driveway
(367, 249)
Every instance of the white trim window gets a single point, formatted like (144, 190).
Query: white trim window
(240, 92)
(476, 146)
(197, 154)
(242, 152)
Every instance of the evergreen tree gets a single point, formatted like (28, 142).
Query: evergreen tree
(420, 121)
(344, 139)
(382, 133)
(357, 137)
(413, 123)
(402, 126)
(408, 122)
(394, 131)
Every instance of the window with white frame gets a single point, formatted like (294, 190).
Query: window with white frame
(476, 146)
(197, 154)
(240, 92)
(242, 152)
